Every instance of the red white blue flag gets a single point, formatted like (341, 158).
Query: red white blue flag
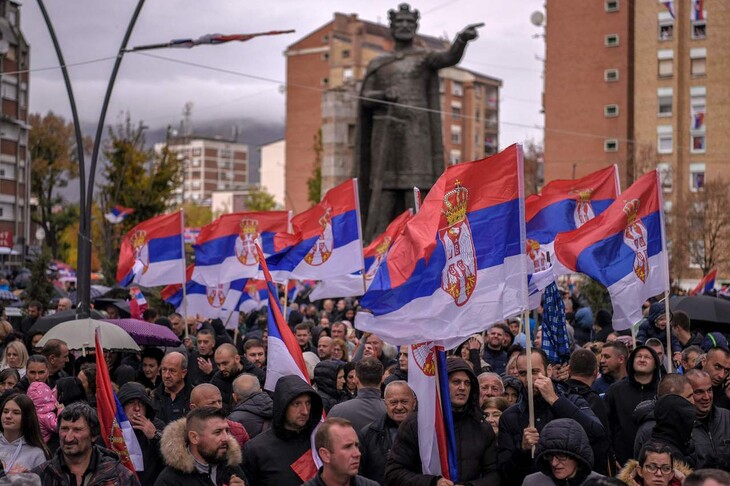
(152, 252)
(460, 263)
(428, 378)
(354, 285)
(116, 430)
(698, 10)
(326, 241)
(624, 249)
(706, 284)
(118, 214)
(226, 248)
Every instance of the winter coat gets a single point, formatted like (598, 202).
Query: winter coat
(583, 325)
(254, 413)
(629, 475)
(355, 481)
(165, 412)
(107, 470)
(225, 384)
(675, 417)
(622, 398)
(649, 330)
(475, 444)
(195, 375)
(69, 390)
(643, 417)
(46, 407)
(268, 458)
(376, 440)
(153, 462)
(180, 469)
(497, 360)
(366, 407)
(515, 463)
(325, 381)
(398, 375)
(604, 322)
(28, 457)
(562, 436)
(602, 456)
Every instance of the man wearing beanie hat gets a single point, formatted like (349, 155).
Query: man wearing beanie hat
(476, 443)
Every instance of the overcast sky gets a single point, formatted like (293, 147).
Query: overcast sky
(155, 90)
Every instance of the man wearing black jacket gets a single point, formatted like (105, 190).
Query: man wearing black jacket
(475, 440)
(230, 366)
(201, 365)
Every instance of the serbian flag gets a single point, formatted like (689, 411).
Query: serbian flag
(460, 263)
(429, 380)
(326, 242)
(225, 249)
(698, 120)
(116, 430)
(670, 7)
(624, 249)
(707, 284)
(118, 214)
(152, 252)
(352, 285)
(255, 295)
(698, 12)
(137, 304)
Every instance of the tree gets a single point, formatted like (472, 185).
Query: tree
(314, 183)
(136, 178)
(260, 200)
(53, 158)
(196, 215)
(533, 158)
(40, 287)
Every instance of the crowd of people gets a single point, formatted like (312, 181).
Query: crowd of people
(610, 415)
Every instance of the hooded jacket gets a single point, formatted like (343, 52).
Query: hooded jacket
(675, 417)
(107, 470)
(28, 456)
(325, 379)
(649, 330)
(46, 406)
(268, 458)
(630, 476)
(153, 463)
(601, 453)
(376, 440)
(181, 469)
(476, 444)
(562, 436)
(583, 325)
(254, 413)
(622, 398)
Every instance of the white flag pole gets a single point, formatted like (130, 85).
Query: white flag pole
(184, 272)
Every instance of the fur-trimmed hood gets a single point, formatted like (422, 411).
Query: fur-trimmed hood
(175, 452)
(629, 473)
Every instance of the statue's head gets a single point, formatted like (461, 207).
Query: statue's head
(403, 22)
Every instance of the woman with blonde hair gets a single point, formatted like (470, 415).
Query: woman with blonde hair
(15, 356)
(339, 350)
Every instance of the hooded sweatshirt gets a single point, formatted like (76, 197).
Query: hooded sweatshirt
(562, 436)
(675, 417)
(269, 457)
(254, 413)
(622, 398)
(21, 453)
(325, 379)
(45, 406)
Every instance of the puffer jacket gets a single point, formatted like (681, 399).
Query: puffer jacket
(180, 467)
(254, 413)
(649, 330)
(476, 455)
(562, 436)
(603, 457)
(268, 458)
(46, 408)
(325, 381)
(105, 464)
(629, 473)
(711, 438)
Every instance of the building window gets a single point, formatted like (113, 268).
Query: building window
(347, 74)
(611, 40)
(325, 82)
(610, 145)
(325, 56)
(455, 134)
(696, 177)
(441, 86)
(196, 162)
(698, 141)
(665, 139)
(345, 53)
(610, 75)
(665, 57)
(697, 103)
(457, 89)
(454, 157)
(665, 22)
(455, 109)
(699, 29)
(611, 5)
(665, 176)
(10, 92)
(698, 60)
(664, 101)
(610, 111)
(325, 39)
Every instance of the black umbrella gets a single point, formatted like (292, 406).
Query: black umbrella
(45, 323)
(102, 303)
(704, 308)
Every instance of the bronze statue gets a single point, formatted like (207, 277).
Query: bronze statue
(399, 143)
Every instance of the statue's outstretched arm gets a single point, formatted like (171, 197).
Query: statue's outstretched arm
(452, 56)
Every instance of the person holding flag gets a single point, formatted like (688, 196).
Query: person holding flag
(476, 443)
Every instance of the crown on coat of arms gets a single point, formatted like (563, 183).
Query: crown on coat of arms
(383, 246)
(249, 227)
(138, 239)
(584, 194)
(631, 208)
(455, 202)
(532, 245)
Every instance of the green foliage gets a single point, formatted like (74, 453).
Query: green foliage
(52, 145)
(596, 294)
(314, 183)
(40, 287)
(260, 200)
(196, 215)
(136, 178)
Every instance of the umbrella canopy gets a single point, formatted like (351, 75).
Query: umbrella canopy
(46, 323)
(79, 334)
(102, 303)
(93, 294)
(703, 308)
(146, 333)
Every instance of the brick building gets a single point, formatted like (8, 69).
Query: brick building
(15, 223)
(644, 84)
(324, 71)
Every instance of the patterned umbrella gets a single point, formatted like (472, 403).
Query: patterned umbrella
(146, 333)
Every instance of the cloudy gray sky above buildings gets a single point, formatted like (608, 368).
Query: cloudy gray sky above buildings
(244, 80)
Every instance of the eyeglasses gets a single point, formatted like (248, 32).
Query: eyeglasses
(652, 468)
(559, 457)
